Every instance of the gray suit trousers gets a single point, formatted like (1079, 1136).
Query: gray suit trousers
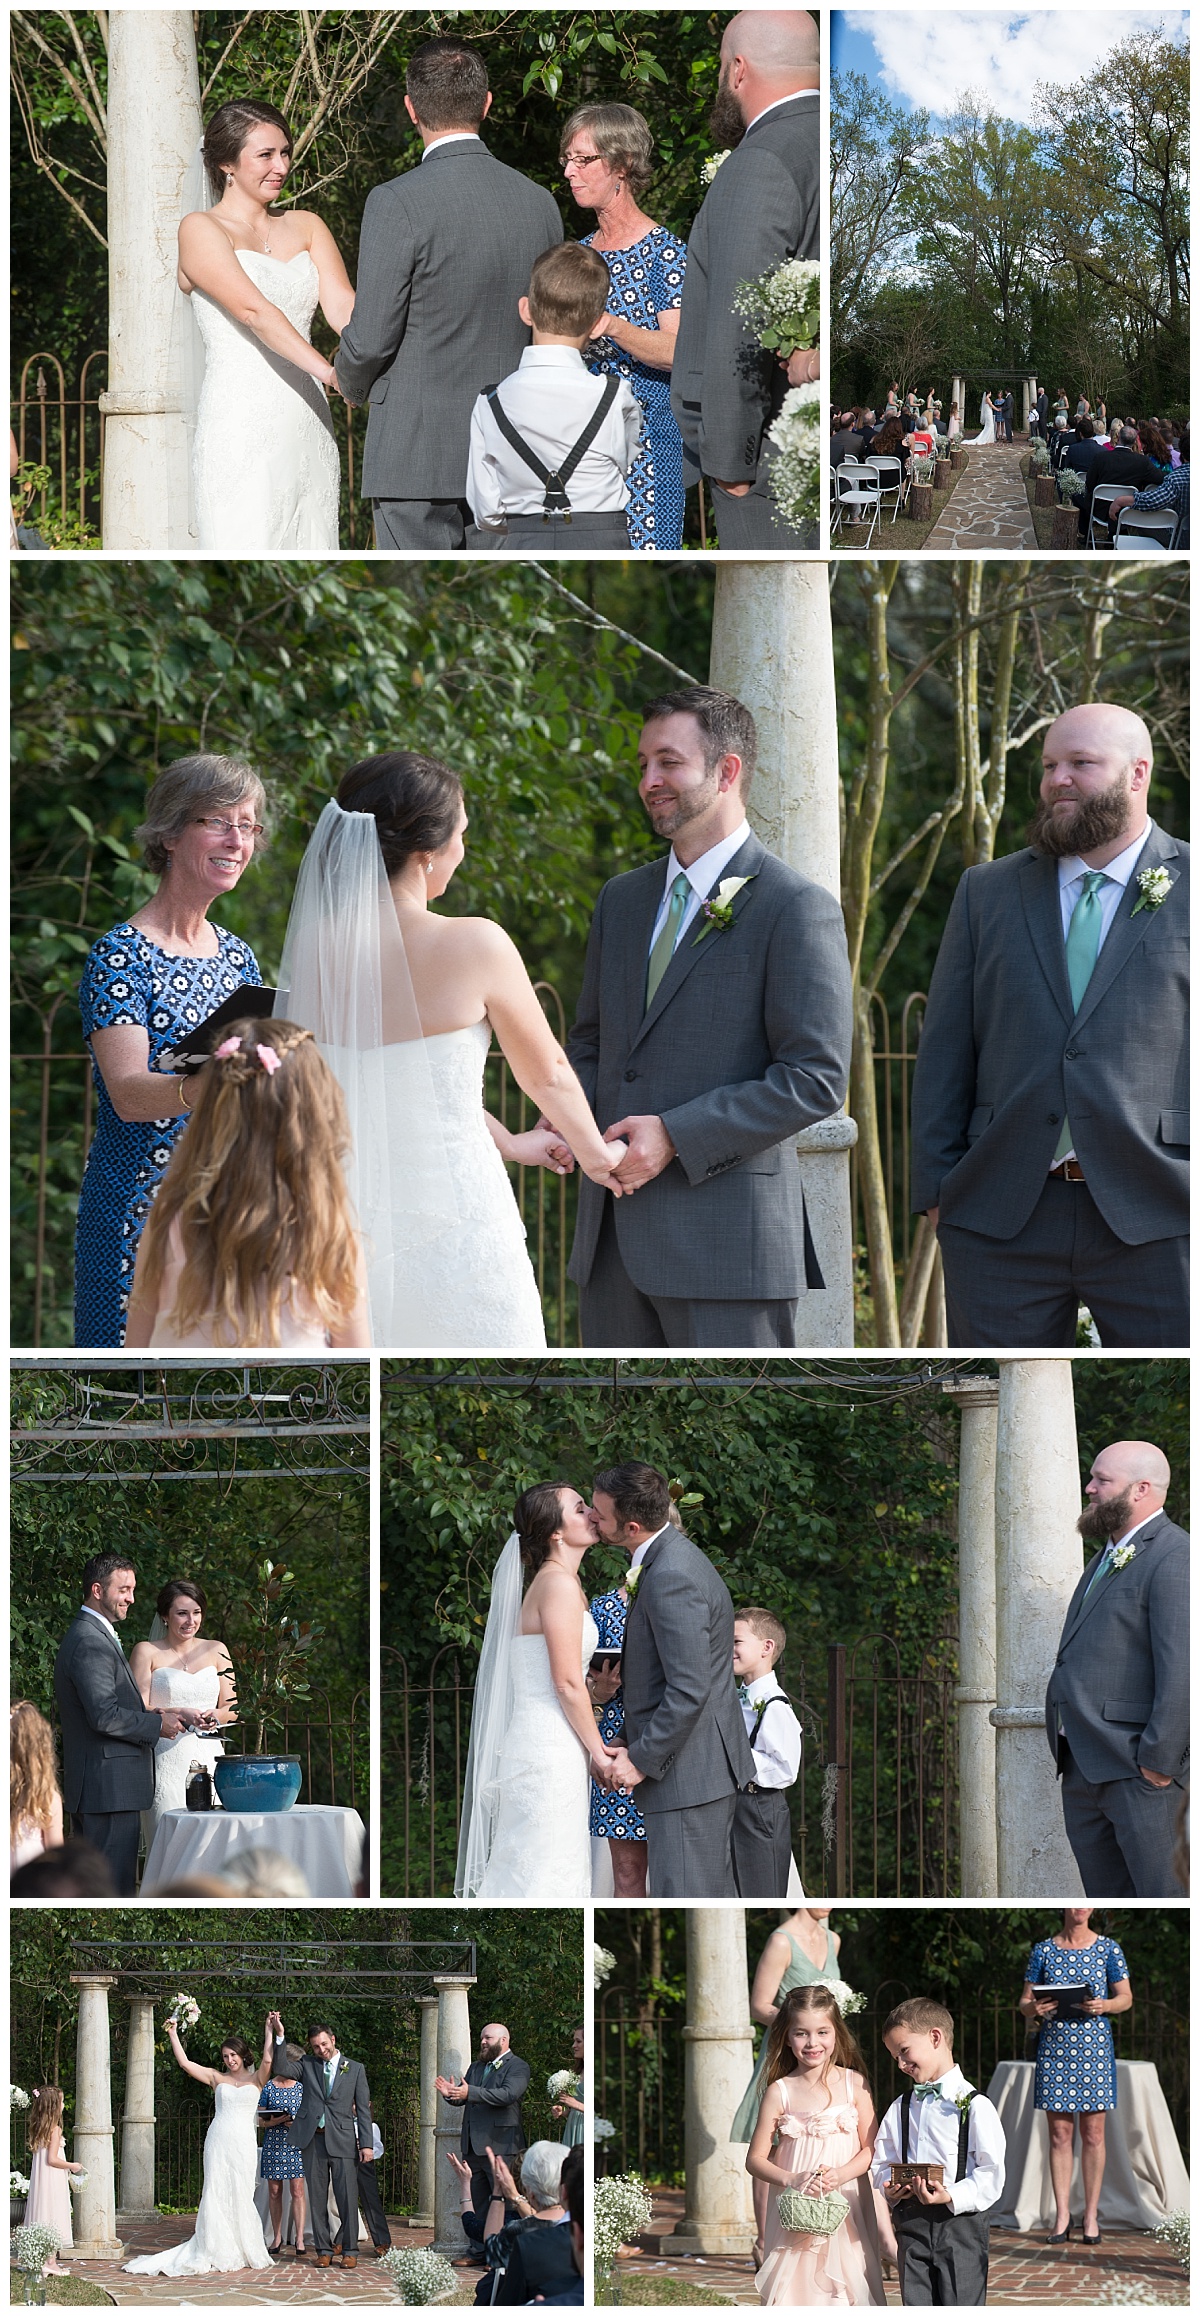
(689, 1853)
(751, 521)
(1024, 1292)
(943, 2257)
(762, 1844)
(1123, 1834)
(320, 2167)
(428, 525)
(116, 1834)
(614, 1315)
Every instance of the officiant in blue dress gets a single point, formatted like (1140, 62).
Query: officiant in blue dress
(1076, 2071)
(606, 153)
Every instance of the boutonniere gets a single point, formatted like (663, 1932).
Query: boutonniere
(1153, 884)
(1122, 1555)
(632, 1582)
(709, 168)
(718, 912)
(963, 2102)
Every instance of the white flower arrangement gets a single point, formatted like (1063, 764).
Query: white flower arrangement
(709, 168)
(1176, 2230)
(17, 2097)
(1070, 482)
(419, 2277)
(783, 305)
(183, 2012)
(1039, 457)
(31, 2247)
(621, 2210)
(602, 2128)
(795, 470)
(17, 2183)
(561, 2080)
(603, 1966)
(843, 1994)
(1122, 1555)
(921, 465)
(1153, 884)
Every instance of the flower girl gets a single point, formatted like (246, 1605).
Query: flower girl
(812, 2144)
(251, 1239)
(49, 2203)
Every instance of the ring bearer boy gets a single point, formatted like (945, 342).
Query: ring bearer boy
(941, 2226)
(762, 1826)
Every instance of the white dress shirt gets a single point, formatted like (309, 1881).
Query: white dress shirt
(549, 401)
(642, 1549)
(933, 2138)
(110, 1629)
(453, 137)
(702, 876)
(1072, 871)
(814, 93)
(776, 1741)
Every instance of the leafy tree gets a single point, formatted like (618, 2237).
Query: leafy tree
(874, 153)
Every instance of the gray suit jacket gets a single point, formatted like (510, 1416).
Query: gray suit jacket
(1120, 1679)
(746, 1043)
(763, 205)
(1003, 1055)
(444, 254)
(491, 2115)
(346, 2106)
(684, 1727)
(107, 1734)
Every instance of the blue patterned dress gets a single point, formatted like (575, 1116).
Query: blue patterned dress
(128, 979)
(281, 2158)
(647, 280)
(614, 1817)
(1076, 2063)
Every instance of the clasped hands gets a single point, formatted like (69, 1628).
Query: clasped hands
(175, 1720)
(646, 1150)
(619, 1773)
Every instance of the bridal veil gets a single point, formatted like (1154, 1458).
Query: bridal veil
(491, 1717)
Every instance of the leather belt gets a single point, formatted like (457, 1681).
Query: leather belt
(1069, 1170)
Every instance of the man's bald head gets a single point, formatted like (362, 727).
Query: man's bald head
(493, 2039)
(781, 44)
(1128, 1483)
(1139, 1459)
(1101, 723)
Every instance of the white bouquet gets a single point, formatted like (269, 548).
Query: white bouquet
(783, 305)
(420, 2277)
(603, 1966)
(17, 2097)
(183, 2012)
(17, 2183)
(795, 471)
(31, 2247)
(621, 2210)
(1070, 482)
(1176, 2230)
(602, 2128)
(709, 168)
(561, 2080)
(844, 1995)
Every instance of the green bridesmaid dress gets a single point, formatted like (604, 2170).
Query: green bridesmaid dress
(800, 1972)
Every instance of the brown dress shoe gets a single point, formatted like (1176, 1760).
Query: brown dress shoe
(349, 2259)
(323, 2259)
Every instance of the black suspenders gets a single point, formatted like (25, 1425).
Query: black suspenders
(964, 2129)
(556, 501)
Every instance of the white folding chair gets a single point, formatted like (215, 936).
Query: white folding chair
(1102, 498)
(1151, 526)
(858, 493)
(890, 471)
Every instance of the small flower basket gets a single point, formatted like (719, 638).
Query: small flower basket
(812, 2215)
(420, 2278)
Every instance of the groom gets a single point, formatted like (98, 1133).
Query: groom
(334, 2113)
(444, 255)
(685, 1749)
(713, 1025)
(108, 1736)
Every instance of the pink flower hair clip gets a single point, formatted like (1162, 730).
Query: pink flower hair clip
(232, 1045)
(268, 1057)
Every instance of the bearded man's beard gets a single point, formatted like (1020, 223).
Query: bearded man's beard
(1096, 820)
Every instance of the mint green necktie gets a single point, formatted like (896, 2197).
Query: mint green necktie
(1101, 1572)
(664, 948)
(328, 2086)
(1083, 948)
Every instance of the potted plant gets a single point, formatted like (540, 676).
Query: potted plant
(270, 1673)
(920, 498)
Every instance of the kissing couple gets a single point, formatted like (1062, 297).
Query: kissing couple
(534, 1740)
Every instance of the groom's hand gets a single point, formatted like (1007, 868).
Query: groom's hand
(1153, 1776)
(650, 1150)
(624, 1771)
(173, 1722)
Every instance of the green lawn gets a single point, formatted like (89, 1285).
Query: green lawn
(902, 536)
(62, 2292)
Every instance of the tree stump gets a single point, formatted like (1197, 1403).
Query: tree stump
(1066, 526)
(920, 502)
(942, 475)
(1043, 490)
(958, 459)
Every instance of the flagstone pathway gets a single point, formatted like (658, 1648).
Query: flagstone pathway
(988, 507)
(287, 2282)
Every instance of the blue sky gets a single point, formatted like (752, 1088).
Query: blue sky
(921, 55)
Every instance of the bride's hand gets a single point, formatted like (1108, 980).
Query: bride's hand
(542, 1146)
(603, 1170)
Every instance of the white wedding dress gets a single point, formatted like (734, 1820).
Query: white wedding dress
(265, 459)
(988, 421)
(468, 1284)
(229, 2233)
(173, 1756)
(541, 1849)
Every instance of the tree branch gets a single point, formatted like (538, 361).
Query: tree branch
(597, 619)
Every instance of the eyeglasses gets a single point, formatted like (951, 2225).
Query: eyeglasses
(216, 826)
(581, 160)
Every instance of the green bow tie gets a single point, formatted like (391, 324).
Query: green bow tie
(928, 2091)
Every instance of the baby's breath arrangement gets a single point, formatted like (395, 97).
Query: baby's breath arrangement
(1176, 2230)
(31, 2247)
(420, 2277)
(622, 2210)
(783, 305)
(795, 469)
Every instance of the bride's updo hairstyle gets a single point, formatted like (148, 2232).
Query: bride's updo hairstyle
(235, 2043)
(413, 800)
(226, 135)
(180, 1588)
(537, 1519)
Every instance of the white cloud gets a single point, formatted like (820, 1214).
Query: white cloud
(933, 56)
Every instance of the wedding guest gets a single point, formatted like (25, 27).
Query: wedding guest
(147, 985)
(251, 1238)
(35, 1807)
(615, 1816)
(890, 442)
(571, 2188)
(1123, 462)
(1173, 491)
(762, 1823)
(942, 2232)
(280, 2158)
(763, 206)
(549, 455)
(533, 2249)
(847, 442)
(49, 2201)
(444, 258)
(74, 1869)
(264, 1873)
(1076, 2071)
(607, 159)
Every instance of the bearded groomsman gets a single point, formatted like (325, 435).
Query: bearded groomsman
(1117, 1701)
(1049, 1122)
(490, 2096)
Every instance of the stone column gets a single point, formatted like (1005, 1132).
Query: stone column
(978, 1397)
(1025, 399)
(427, 2154)
(772, 645)
(1038, 1564)
(137, 2122)
(154, 128)
(453, 2058)
(94, 2216)
(718, 2062)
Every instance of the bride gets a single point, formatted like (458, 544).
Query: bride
(404, 1004)
(524, 1831)
(229, 2233)
(175, 1668)
(987, 420)
(265, 461)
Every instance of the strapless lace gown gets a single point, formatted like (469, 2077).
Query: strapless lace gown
(173, 1756)
(841, 2270)
(543, 1849)
(265, 459)
(467, 1284)
(229, 2233)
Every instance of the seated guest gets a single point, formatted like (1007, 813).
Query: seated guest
(1082, 453)
(868, 430)
(571, 2190)
(74, 1869)
(534, 2250)
(1122, 463)
(1152, 443)
(847, 442)
(889, 442)
(1059, 439)
(1172, 491)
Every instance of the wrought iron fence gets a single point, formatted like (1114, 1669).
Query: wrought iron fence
(874, 1810)
(640, 2064)
(63, 430)
(895, 1048)
(179, 2168)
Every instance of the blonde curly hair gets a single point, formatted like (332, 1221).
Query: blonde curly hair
(33, 1771)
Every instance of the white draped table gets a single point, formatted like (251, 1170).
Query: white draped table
(326, 1844)
(1144, 2174)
